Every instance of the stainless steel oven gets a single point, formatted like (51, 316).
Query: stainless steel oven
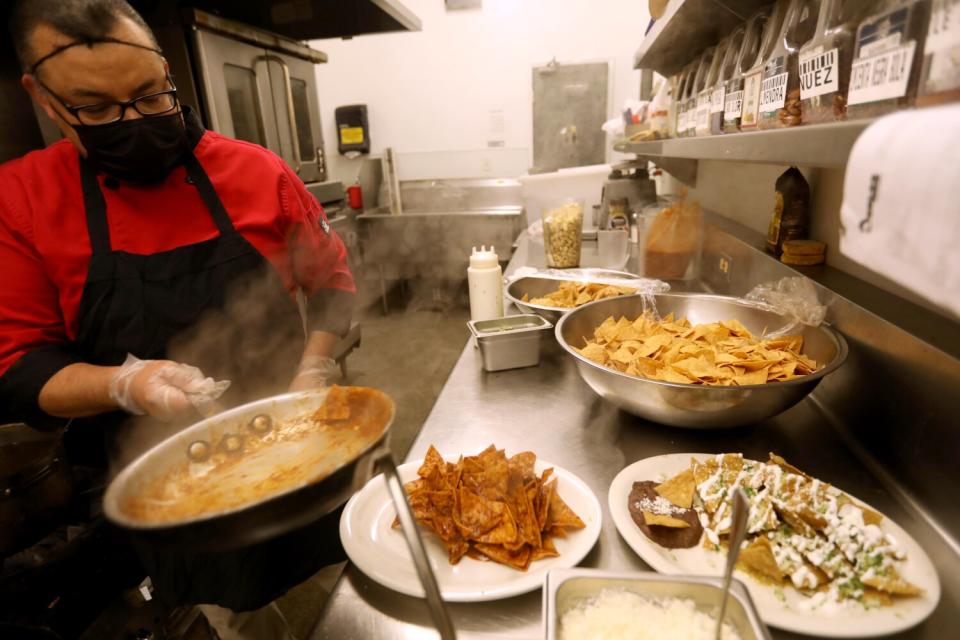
(261, 87)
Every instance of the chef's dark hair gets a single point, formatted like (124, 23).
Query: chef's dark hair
(81, 20)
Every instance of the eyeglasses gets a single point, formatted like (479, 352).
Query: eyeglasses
(152, 104)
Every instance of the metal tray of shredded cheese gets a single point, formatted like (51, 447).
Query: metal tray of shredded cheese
(581, 603)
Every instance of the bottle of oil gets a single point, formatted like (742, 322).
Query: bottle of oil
(791, 211)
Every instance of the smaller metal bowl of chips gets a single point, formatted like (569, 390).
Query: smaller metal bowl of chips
(566, 590)
(695, 405)
(534, 286)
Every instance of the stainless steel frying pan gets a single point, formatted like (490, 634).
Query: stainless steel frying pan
(343, 459)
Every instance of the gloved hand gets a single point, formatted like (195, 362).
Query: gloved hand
(162, 388)
(314, 372)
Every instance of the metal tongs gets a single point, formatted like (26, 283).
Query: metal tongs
(738, 531)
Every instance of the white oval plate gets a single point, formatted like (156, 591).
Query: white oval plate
(381, 551)
(778, 607)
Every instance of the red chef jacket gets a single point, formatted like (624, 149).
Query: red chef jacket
(45, 248)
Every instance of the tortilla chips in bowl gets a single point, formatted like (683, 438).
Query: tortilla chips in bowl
(696, 360)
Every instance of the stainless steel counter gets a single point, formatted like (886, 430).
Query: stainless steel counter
(549, 410)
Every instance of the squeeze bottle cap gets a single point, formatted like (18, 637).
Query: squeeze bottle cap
(484, 258)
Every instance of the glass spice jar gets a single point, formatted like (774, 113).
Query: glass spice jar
(826, 59)
(753, 77)
(728, 62)
(698, 79)
(702, 119)
(940, 73)
(780, 86)
(686, 79)
(733, 89)
(885, 74)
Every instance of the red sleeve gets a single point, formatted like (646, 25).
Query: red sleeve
(29, 307)
(33, 339)
(317, 258)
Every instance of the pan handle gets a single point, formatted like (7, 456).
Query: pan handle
(438, 610)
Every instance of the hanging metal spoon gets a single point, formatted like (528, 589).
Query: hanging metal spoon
(738, 531)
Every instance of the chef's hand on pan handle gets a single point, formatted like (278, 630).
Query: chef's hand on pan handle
(162, 388)
(315, 372)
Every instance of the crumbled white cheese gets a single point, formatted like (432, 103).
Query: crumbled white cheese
(619, 614)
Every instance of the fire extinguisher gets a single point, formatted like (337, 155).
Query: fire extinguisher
(355, 196)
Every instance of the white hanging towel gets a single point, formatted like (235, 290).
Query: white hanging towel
(901, 202)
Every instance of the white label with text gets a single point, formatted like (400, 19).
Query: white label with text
(773, 92)
(751, 99)
(703, 113)
(818, 73)
(733, 105)
(883, 76)
(716, 100)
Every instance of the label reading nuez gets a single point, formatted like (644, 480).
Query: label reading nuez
(818, 74)
(881, 77)
(773, 92)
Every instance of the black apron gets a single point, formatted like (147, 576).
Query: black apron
(206, 300)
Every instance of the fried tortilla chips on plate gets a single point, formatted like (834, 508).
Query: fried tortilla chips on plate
(571, 294)
(491, 507)
(721, 353)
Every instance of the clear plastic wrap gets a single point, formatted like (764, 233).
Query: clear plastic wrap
(794, 297)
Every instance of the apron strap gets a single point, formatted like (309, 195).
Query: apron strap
(96, 209)
(209, 195)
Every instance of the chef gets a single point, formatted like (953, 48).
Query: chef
(142, 257)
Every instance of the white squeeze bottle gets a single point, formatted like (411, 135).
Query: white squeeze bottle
(486, 284)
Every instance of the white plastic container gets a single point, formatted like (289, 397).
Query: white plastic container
(485, 281)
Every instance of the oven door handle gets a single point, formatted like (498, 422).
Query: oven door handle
(291, 113)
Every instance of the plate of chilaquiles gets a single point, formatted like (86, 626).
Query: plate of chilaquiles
(816, 560)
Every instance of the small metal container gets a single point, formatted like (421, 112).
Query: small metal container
(566, 588)
(511, 342)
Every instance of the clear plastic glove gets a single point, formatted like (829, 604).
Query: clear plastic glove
(315, 372)
(163, 389)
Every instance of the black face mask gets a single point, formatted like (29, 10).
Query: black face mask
(143, 150)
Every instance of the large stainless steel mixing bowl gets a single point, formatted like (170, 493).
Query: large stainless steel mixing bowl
(687, 405)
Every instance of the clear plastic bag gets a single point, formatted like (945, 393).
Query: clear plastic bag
(562, 231)
(671, 238)
(794, 297)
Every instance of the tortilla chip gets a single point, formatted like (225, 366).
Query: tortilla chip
(758, 559)
(336, 406)
(664, 521)
(560, 515)
(679, 489)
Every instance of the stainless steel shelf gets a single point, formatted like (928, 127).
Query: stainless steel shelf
(825, 145)
(688, 27)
